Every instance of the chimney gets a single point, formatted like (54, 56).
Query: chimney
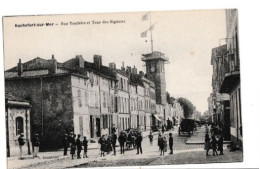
(123, 66)
(134, 70)
(112, 65)
(80, 61)
(128, 70)
(20, 68)
(52, 56)
(97, 61)
(52, 65)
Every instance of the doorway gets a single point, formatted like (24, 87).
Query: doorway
(98, 127)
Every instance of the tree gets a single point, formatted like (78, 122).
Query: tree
(188, 107)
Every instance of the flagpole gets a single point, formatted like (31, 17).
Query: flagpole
(151, 32)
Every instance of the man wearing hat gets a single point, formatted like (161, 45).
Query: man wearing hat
(36, 144)
(78, 144)
(21, 143)
(171, 143)
(85, 145)
(65, 144)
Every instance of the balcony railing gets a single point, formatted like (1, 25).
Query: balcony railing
(230, 67)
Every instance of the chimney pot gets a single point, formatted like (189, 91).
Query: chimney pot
(20, 68)
(97, 61)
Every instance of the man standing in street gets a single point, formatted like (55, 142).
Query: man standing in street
(138, 142)
(171, 143)
(85, 145)
(21, 143)
(122, 140)
(36, 144)
(65, 144)
(151, 138)
(78, 143)
(114, 138)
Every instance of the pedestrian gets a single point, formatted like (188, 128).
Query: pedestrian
(214, 145)
(122, 140)
(163, 129)
(102, 142)
(21, 143)
(207, 128)
(151, 138)
(220, 145)
(129, 139)
(114, 138)
(36, 144)
(165, 143)
(70, 138)
(161, 144)
(65, 144)
(207, 144)
(73, 146)
(171, 143)
(114, 128)
(109, 143)
(79, 146)
(85, 146)
(138, 143)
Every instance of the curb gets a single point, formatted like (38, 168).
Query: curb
(41, 162)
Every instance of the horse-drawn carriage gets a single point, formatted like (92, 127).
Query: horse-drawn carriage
(131, 135)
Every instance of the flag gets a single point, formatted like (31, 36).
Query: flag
(144, 34)
(146, 16)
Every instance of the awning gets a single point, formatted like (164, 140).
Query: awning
(157, 117)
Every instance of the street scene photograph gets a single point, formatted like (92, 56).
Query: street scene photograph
(122, 89)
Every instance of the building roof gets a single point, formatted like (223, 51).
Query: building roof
(13, 101)
(154, 55)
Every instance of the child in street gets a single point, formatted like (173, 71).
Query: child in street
(85, 145)
(220, 145)
(151, 138)
(171, 143)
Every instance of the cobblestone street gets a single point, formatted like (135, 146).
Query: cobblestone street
(183, 154)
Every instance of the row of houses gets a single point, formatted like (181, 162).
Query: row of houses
(88, 98)
(225, 100)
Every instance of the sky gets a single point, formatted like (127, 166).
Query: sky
(185, 37)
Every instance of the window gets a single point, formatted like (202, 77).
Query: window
(104, 99)
(79, 98)
(105, 123)
(96, 99)
(86, 98)
(19, 125)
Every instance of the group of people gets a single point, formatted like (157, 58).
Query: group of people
(162, 143)
(214, 144)
(108, 142)
(75, 144)
(35, 144)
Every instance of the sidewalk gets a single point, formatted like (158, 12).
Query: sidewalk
(54, 156)
(44, 158)
(199, 136)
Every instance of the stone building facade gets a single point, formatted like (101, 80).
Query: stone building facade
(226, 79)
(88, 98)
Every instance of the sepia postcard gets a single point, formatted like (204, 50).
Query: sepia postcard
(122, 89)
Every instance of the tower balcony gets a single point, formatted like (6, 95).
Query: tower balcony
(154, 55)
(229, 73)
